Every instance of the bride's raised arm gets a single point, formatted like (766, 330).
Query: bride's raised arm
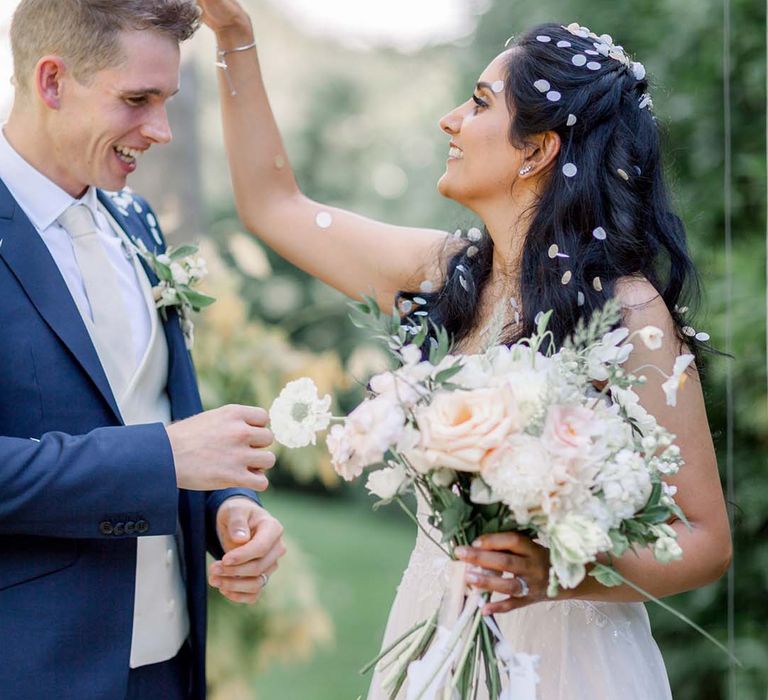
(354, 254)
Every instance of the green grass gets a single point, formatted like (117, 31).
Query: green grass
(358, 557)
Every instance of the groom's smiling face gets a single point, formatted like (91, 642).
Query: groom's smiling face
(101, 128)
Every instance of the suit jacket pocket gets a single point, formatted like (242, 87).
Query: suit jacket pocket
(24, 558)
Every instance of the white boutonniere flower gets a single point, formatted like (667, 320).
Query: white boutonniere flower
(179, 269)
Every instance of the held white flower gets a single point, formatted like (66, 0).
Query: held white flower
(298, 413)
(608, 352)
(179, 274)
(168, 295)
(386, 483)
(678, 377)
(652, 337)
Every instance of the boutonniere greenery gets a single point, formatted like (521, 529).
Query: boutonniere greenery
(178, 270)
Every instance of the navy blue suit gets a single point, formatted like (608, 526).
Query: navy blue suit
(77, 486)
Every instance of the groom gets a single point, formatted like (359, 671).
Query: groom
(106, 504)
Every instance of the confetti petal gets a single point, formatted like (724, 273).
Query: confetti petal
(553, 95)
(421, 313)
(622, 174)
(406, 306)
(426, 287)
(638, 70)
(579, 59)
(324, 219)
(571, 120)
(553, 250)
(591, 52)
(543, 38)
(542, 85)
(566, 278)
(563, 44)
(463, 283)
(497, 86)
(594, 65)
(419, 300)
(702, 336)
(472, 251)
(690, 332)
(600, 233)
(569, 170)
(474, 234)
(580, 299)
(457, 233)
(597, 285)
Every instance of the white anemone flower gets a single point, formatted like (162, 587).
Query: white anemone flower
(298, 413)
(608, 352)
(676, 380)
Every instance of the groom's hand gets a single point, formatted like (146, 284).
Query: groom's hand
(222, 448)
(252, 540)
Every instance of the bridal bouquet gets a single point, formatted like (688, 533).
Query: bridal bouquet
(514, 438)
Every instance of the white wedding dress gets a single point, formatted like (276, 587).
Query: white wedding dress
(588, 650)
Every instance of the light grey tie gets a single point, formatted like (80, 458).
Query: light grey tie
(111, 327)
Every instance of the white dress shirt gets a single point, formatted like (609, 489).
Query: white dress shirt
(43, 202)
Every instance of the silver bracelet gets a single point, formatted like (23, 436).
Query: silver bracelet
(223, 65)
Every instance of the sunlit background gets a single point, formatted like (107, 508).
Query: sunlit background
(358, 88)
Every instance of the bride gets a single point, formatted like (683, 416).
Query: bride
(557, 152)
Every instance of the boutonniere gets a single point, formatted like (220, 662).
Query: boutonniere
(179, 269)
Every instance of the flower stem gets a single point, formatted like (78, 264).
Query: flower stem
(392, 646)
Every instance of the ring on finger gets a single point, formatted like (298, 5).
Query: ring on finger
(525, 589)
(264, 578)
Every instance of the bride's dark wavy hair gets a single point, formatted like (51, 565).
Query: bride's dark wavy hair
(619, 186)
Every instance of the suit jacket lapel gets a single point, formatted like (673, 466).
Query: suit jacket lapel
(28, 257)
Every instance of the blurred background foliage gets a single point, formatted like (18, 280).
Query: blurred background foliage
(360, 126)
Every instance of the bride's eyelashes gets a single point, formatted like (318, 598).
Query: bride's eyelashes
(479, 104)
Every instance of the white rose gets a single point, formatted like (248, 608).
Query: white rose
(626, 485)
(386, 483)
(459, 427)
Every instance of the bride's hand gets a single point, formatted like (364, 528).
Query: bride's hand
(507, 553)
(224, 15)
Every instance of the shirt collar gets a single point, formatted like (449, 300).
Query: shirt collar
(42, 200)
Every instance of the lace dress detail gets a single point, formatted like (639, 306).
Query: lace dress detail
(588, 650)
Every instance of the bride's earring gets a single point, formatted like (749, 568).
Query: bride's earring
(526, 169)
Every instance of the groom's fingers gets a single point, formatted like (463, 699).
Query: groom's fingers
(268, 535)
(250, 568)
(246, 591)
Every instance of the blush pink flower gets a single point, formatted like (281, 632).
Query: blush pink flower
(568, 430)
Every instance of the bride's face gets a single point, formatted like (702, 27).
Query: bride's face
(482, 164)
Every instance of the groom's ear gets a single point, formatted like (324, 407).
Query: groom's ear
(49, 80)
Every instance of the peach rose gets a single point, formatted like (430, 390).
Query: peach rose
(460, 427)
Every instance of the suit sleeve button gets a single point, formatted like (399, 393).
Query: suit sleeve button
(119, 529)
(105, 527)
(142, 526)
(130, 528)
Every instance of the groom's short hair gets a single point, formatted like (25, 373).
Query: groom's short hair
(86, 32)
